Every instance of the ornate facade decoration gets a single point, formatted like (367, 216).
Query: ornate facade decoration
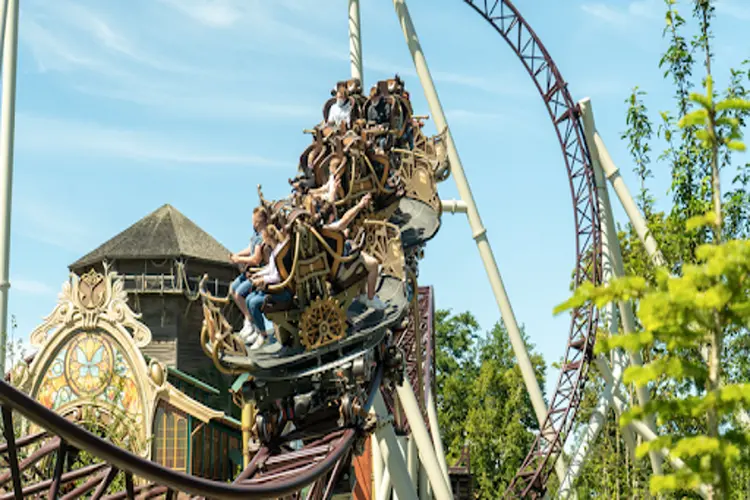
(88, 302)
(89, 366)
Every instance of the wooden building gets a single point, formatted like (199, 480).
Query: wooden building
(161, 259)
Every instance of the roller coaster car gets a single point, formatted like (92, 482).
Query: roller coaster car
(328, 343)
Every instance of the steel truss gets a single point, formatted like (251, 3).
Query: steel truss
(507, 21)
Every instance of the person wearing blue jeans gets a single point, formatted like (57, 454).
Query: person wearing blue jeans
(252, 256)
(267, 276)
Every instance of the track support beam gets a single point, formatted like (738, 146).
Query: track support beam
(479, 233)
(391, 452)
(615, 254)
(9, 33)
(440, 483)
(355, 40)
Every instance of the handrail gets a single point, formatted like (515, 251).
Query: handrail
(206, 294)
(151, 471)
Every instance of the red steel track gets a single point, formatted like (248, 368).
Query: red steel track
(532, 477)
(285, 472)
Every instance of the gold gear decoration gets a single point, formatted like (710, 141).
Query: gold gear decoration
(322, 322)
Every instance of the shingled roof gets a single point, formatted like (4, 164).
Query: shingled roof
(164, 233)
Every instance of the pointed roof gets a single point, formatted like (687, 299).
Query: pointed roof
(164, 233)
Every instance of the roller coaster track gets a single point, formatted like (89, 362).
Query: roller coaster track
(271, 474)
(532, 477)
(284, 471)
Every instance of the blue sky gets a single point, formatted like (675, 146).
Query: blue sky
(124, 106)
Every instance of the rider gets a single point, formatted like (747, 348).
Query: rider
(329, 190)
(255, 255)
(379, 114)
(269, 275)
(341, 110)
(371, 264)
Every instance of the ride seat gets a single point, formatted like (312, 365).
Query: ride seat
(355, 113)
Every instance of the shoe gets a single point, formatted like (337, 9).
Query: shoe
(247, 329)
(258, 343)
(252, 336)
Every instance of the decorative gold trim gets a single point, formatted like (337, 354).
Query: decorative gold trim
(92, 301)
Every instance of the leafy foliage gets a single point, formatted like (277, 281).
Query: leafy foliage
(482, 400)
(691, 312)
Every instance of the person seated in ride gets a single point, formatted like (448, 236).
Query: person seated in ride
(255, 255)
(379, 113)
(261, 280)
(328, 214)
(341, 110)
(329, 190)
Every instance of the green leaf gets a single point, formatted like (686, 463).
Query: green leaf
(733, 103)
(736, 145)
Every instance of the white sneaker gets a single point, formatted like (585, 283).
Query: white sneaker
(252, 336)
(247, 329)
(258, 343)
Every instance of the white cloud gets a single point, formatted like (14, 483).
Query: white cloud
(31, 287)
(45, 221)
(198, 101)
(734, 9)
(622, 16)
(38, 134)
(465, 115)
(55, 52)
(215, 14)
(605, 13)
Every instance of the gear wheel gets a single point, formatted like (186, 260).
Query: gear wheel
(322, 322)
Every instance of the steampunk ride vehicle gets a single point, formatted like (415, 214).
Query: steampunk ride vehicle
(370, 161)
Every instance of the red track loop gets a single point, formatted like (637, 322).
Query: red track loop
(532, 477)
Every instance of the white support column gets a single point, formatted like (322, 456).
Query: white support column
(626, 309)
(453, 206)
(355, 40)
(391, 452)
(403, 444)
(384, 487)
(479, 233)
(4, 19)
(7, 130)
(435, 432)
(424, 484)
(610, 318)
(412, 461)
(440, 484)
(596, 422)
(623, 193)
(377, 465)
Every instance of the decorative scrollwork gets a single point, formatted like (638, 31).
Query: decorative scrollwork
(87, 300)
(418, 178)
(217, 335)
(383, 241)
(322, 323)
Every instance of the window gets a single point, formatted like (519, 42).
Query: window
(170, 437)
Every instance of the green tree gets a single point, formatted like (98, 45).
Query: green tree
(483, 401)
(692, 313)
